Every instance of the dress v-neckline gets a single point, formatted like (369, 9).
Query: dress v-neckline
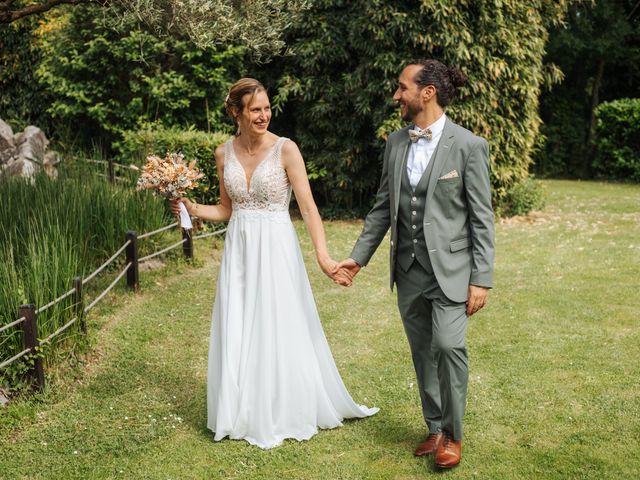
(247, 181)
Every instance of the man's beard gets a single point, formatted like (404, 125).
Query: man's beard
(411, 112)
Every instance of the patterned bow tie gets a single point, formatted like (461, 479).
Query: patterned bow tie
(416, 135)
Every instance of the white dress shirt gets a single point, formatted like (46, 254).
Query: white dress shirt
(420, 152)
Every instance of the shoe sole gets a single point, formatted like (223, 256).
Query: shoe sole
(447, 467)
(423, 454)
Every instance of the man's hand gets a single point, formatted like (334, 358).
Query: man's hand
(338, 275)
(347, 267)
(477, 298)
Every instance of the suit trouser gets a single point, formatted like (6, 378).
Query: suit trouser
(435, 327)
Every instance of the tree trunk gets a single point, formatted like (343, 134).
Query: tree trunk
(592, 119)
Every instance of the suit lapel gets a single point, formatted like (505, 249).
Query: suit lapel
(440, 156)
(400, 165)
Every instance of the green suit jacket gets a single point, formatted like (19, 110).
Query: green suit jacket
(458, 219)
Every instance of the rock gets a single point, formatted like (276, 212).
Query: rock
(24, 154)
(7, 145)
(4, 398)
(51, 159)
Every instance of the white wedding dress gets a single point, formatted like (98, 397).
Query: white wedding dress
(271, 373)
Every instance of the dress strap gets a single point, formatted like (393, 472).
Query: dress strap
(228, 151)
(278, 150)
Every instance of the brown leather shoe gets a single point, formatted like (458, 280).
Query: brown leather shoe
(449, 452)
(430, 445)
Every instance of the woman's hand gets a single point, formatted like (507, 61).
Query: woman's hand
(174, 206)
(330, 268)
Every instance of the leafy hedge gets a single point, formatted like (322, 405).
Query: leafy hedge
(107, 76)
(194, 144)
(617, 140)
(334, 93)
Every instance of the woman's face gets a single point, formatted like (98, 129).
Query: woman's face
(256, 115)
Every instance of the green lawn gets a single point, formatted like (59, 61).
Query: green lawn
(554, 382)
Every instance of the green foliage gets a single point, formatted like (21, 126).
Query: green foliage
(334, 93)
(54, 230)
(256, 25)
(522, 198)
(598, 49)
(23, 100)
(109, 77)
(195, 145)
(618, 140)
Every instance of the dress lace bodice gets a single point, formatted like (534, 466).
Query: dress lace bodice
(269, 188)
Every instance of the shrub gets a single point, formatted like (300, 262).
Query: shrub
(522, 198)
(107, 77)
(194, 144)
(617, 140)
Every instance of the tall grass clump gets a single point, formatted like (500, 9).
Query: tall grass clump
(54, 230)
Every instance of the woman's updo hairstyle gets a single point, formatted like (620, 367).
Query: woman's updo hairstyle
(446, 80)
(234, 104)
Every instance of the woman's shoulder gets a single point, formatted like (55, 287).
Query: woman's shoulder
(289, 147)
(220, 151)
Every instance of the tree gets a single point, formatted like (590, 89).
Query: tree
(106, 77)
(255, 24)
(334, 93)
(598, 49)
(23, 100)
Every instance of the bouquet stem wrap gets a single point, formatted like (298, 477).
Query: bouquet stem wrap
(185, 219)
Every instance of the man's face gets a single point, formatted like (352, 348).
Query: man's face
(408, 94)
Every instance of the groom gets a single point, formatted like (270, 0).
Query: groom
(435, 195)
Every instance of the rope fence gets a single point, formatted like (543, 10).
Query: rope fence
(53, 302)
(164, 250)
(108, 289)
(60, 330)
(210, 234)
(111, 168)
(148, 234)
(14, 358)
(28, 314)
(12, 324)
(101, 267)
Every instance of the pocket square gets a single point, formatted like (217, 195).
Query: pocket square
(451, 174)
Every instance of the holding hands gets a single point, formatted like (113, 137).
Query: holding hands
(332, 269)
(342, 273)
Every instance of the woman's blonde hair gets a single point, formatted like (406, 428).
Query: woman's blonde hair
(234, 104)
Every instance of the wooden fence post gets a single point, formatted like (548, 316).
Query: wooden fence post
(112, 171)
(30, 340)
(132, 256)
(187, 246)
(78, 303)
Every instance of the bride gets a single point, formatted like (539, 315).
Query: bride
(271, 374)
